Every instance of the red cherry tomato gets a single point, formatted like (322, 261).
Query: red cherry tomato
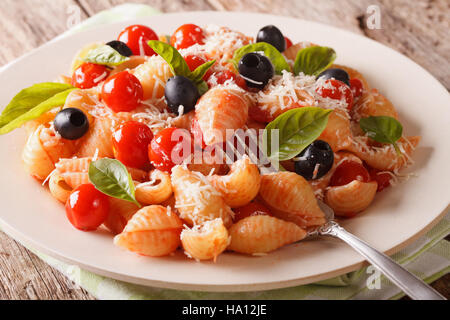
(347, 172)
(169, 148)
(87, 208)
(187, 35)
(252, 209)
(89, 75)
(335, 89)
(136, 38)
(122, 92)
(383, 179)
(130, 144)
(223, 76)
(197, 134)
(357, 87)
(194, 62)
(288, 42)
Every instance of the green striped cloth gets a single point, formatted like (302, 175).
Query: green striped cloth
(428, 258)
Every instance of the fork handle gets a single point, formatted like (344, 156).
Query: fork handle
(405, 280)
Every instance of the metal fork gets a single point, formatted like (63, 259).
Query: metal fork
(405, 280)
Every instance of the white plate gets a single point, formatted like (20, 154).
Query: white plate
(397, 217)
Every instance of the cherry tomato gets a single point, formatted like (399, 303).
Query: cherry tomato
(223, 76)
(187, 35)
(89, 75)
(169, 148)
(383, 179)
(130, 144)
(347, 172)
(194, 62)
(288, 43)
(136, 38)
(197, 134)
(122, 92)
(87, 208)
(335, 89)
(252, 209)
(357, 87)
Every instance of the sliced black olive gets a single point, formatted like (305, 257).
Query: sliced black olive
(121, 48)
(256, 69)
(71, 123)
(315, 161)
(337, 74)
(272, 35)
(180, 91)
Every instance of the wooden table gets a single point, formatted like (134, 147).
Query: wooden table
(418, 29)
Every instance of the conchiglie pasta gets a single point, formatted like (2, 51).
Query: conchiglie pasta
(241, 185)
(263, 234)
(155, 191)
(291, 193)
(43, 149)
(338, 131)
(131, 64)
(206, 241)
(120, 212)
(354, 74)
(58, 187)
(351, 198)
(74, 171)
(196, 199)
(379, 105)
(220, 109)
(152, 231)
(386, 158)
(153, 76)
(97, 140)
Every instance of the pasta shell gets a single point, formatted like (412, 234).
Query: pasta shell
(43, 149)
(153, 76)
(196, 199)
(156, 191)
(152, 231)
(263, 234)
(97, 140)
(291, 193)
(241, 185)
(206, 241)
(385, 158)
(351, 198)
(220, 109)
(59, 188)
(337, 132)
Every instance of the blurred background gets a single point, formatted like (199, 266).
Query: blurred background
(419, 29)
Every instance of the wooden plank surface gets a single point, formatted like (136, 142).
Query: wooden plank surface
(418, 29)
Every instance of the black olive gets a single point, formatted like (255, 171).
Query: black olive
(315, 161)
(121, 48)
(256, 69)
(337, 74)
(71, 123)
(180, 91)
(272, 35)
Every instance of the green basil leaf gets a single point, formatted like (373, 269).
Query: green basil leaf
(57, 100)
(198, 74)
(275, 56)
(29, 98)
(175, 60)
(297, 129)
(382, 129)
(314, 60)
(202, 87)
(105, 55)
(112, 178)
